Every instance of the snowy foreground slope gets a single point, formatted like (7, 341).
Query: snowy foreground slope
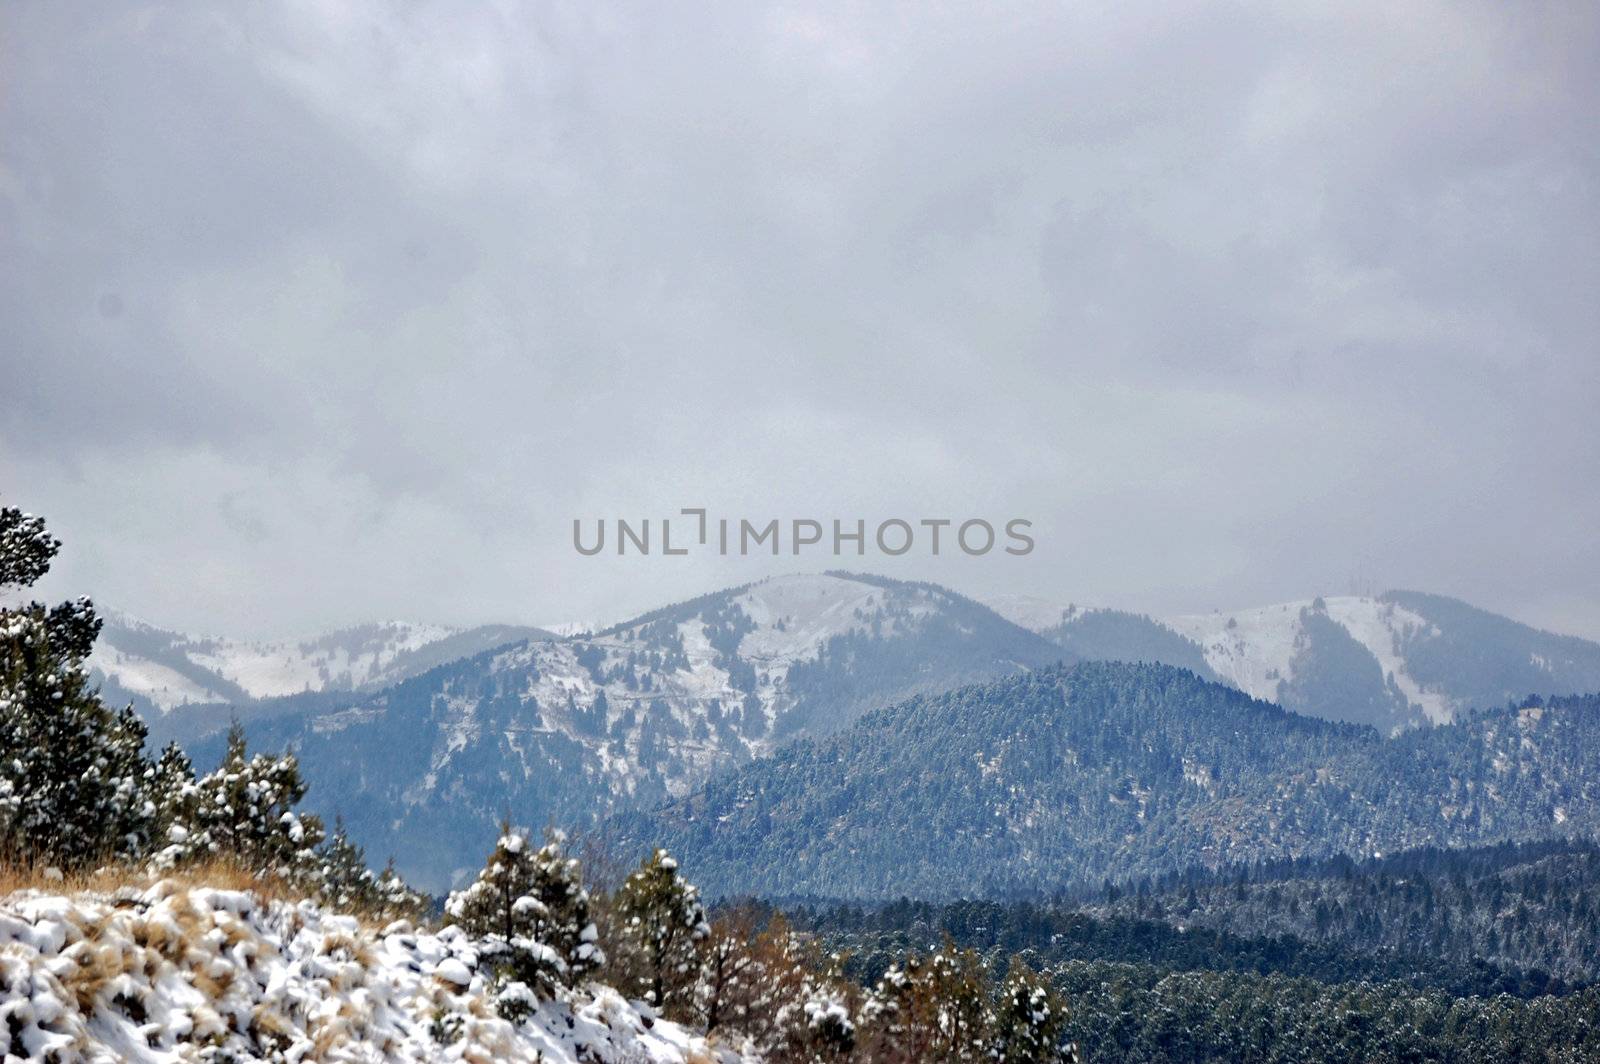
(175, 973)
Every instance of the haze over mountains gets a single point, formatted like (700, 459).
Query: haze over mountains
(422, 737)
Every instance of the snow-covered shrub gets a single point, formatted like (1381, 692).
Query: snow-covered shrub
(343, 881)
(931, 1008)
(177, 973)
(1029, 1020)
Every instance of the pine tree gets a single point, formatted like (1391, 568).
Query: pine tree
(1030, 1020)
(173, 793)
(532, 910)
(665, 923)
(73, 779)
(931, 1008)
(344, 881)
(246, 811)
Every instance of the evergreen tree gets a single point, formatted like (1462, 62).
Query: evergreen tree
(1030, 1020)
(531, 908)
(345, 882)
(931, 1008)
(73, 779)
(246, 811)
(173, 793)
(664, 923)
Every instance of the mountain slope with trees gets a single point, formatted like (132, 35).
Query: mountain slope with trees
(1106, 769)
(567, 731)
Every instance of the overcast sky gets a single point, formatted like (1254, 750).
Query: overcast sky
(318, 313)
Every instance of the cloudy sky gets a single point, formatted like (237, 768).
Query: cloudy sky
(317, 313)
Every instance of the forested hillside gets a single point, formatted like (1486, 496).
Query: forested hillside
(1109, 769)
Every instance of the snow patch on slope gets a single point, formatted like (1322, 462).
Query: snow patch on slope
(348, 658)
(164, 686)
(174, 669)
(1253, 649)
(811, 609)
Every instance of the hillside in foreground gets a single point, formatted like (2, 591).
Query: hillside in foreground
(179, 973)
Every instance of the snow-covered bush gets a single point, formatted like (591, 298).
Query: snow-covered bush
(176, 973)
(343, 881)
(1029, 1020)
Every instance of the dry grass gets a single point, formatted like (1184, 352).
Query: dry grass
(215, 874)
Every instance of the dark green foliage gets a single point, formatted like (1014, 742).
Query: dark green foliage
(247, 810)
(73, 779)
(532, 911)
(1523, 920)
(345, 882)
(1138, 1014)
(26, 548)
(1030, 1019)
(662, 924)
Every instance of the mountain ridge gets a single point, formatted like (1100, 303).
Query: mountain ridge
(1114, 769)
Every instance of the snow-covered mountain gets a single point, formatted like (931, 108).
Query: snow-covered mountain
(567, 730)
(160, 670)
(1395, 660)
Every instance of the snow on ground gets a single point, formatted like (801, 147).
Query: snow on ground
(1028, 611)
(1375, 625)
(174, 973)
(164, 686)
(347, 658)
(128, 652)
(1252, 649)
(812, 609)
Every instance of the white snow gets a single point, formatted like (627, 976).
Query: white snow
(160, 684)
(813, 609)
(263, 669)
(1029, 611)
(267, 670)
(178, 974)
(1251, 649)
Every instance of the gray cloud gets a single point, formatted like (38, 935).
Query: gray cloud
(319, 313)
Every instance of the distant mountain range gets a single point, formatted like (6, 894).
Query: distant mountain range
(423, 736)
(1394, 661)
(1107, 769)
(566, 730)
(159, 670)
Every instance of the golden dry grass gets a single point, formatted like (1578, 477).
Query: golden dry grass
(218, 873)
